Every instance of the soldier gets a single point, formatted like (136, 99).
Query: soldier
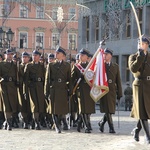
(108, 102)
(57, 83)
(9, 94)
(128, 97)
(139, 65)
(86, 104)
(34, 81)
(51, 58)
(25, 104)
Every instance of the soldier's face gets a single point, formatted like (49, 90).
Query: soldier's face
(25, 59)
(144, 46)
(83, 57)
(36, 58)
(9, 56)
(59, 55)
(107, 57)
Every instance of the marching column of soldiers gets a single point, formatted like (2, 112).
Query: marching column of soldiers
(50, 95)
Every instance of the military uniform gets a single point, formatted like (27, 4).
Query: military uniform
(34, 85)
(86, 104)
(8, 74)
(128, 98)
(139, 64)
(108, 101)
(57, 83)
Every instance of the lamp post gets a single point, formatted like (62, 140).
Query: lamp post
(6, 37)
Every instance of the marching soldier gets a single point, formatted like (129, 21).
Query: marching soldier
(86, 104)
(139, 64)
(34, 85)
(108, 102)
(57, 83)
(9, 94)
(25, 104)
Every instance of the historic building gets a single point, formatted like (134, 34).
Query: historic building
(115, 19)
(40, 24)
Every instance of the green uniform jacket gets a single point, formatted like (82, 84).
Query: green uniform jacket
(86, 103)
(57, 83)
(9, 94)
(140, 67)
(108, 102)
(34, 75)
(24, 103)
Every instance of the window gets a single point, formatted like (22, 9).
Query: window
(115, 59)
(54, 13)
(55, 40)
(96, 28)
(72, 41)
(71, 13)
(128, 24)
(23, 11)
(39, 12)
(87, 28)
(39, 40)
(23, 40)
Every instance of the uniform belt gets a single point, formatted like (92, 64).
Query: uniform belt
(38, 79)
(9, 79)
(147, 78)
(59, 80)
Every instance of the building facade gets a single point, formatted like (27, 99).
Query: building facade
(40, 24)
(114, 19)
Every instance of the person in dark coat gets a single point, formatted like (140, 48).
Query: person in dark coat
(9, 94)
(86, 104)
(139, 65)
(24, 102)
(34, 75)
(57, 83)
(108, 101)
(128, 97)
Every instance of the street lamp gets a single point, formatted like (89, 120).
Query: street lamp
(7, 37)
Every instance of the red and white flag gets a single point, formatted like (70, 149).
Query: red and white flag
(96, 77)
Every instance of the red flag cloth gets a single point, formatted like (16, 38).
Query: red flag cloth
(96, 77)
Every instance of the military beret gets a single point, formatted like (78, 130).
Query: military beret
(107, 50)
(61, 50)
(77, 56)
(51, 55)
(145, 39)
(8, 51)
(84, 52)
(25, 54)
(36, 52)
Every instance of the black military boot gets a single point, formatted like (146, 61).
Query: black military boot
(102, 123)
(15, 122)
(37, 125)
(89, 121)
(145, 126)
(65, 126)
(79, 123)
(9, 124)
(110, 123)
(32, 124)
(136, 131)
(25, 123)
(87, 127)
(56, 122)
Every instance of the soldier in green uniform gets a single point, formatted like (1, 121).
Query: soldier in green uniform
(139, 65)
(128, 97)
(57, 83)
(34, 75)
(86, 104)
(25, 104)
(108, 102)
(8, 74)
(51, 58)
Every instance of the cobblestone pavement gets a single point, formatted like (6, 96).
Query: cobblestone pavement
(45, 139)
